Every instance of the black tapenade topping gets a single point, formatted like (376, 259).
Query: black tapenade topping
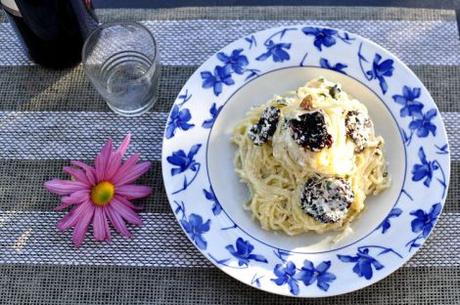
(326, 199)
(264, 129)
(309, 130)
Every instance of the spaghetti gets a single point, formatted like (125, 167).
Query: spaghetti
(301, 156)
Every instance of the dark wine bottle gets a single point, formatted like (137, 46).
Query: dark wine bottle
(52, 31)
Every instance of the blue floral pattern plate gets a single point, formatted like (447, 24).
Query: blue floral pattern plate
(207, 197)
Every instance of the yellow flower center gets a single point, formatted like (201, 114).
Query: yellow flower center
(102, 193)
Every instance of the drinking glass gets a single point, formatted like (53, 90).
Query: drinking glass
(122, 62)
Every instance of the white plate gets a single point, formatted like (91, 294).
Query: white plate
(207, 197)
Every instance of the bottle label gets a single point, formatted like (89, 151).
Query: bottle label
(11, 7)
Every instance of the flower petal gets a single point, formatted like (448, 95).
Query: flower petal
(72, 218)
(418, 225)
(317, 43)
(200, 242)
(107, 227)
(125, 167)
(386, 66)
(232, 250)
(184, 125)
(228, 80)
(377, 264)
(293, 286)
(64, 205)
(430, 114)
(329, 32)
(133, 173)
(323, 285)
(279, 270)
(306, 276)
(242, 62)
(112, 166)
(435, 210)
(327, 277)
(100, 226)
(117, 222)
(418, 214)
(78, 174)
(328, 41)
(427, 181)
(69, 220)
(426, 230)
(282, 55)
(419, 172)
(218, 88)
(365, 268)
(133, 191)
(195, 220)
(77, 197)
(244, 246)
(279, 281)
(82, 225)
(74, 198)
(102, 160)
(124, 145)
(127, 213)
(324, 280)
(308, 265)
(324, 266)
(264, 56)
(223, 57)
(400, 99)
(290, 268)
(206, 74)
(422, 132)
(377, 58)
(407, 93)
(128, 203)
(193, 151)
(178, 158)
(310, 31)
(186, 225)
(184, 115)
(115, 158)
(258, 258)
(348, 258)
(209, 82)
(422, 156)
(383, 85)
(416, 124)
(324, 63)
(90, 171)
(170, 130)
(431, 128)
(64, 187)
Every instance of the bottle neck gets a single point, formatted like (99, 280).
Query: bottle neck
(11, 7)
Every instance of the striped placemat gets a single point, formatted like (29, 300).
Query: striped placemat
(50, 117)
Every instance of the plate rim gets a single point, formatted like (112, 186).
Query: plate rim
(400, 63)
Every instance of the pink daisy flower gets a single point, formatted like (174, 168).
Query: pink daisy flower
(101, 194)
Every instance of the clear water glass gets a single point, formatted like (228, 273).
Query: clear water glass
(122, 62)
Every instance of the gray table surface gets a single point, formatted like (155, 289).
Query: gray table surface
(50, 117)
